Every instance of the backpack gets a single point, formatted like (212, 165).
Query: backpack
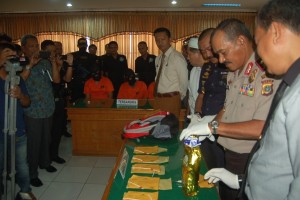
(160, 125)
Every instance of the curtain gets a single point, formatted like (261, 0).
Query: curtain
(101, 24)
(126, 28)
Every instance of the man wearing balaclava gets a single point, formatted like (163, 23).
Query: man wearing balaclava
(132, 88)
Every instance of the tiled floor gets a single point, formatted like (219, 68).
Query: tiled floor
(80, 178)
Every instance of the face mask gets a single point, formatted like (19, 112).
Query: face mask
(82, 49)
(96, 77)
(131, 81)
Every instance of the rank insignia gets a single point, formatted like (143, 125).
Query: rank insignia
(252, 76)
(267, 87)
(248, 69)
(263, 76)
(247, 89)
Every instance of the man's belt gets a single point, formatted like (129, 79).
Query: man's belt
(168, 94)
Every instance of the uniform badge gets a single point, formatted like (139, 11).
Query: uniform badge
(263, 76)
(267, 87)
(252, 76)
(247, 89)
(248, 69)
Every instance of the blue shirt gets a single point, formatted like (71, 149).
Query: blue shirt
(20, 113)
(274, 170)
(40, 91)
(212, 84)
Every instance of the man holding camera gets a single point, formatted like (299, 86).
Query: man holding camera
(39, 75)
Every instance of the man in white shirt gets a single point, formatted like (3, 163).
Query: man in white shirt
(196, 60)
(171, 67)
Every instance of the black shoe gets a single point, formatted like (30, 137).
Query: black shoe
(36, 182)
(67, 134)
(25, 195)
(59, 160)
(51, 169)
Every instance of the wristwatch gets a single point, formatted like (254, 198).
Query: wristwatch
(214, 125)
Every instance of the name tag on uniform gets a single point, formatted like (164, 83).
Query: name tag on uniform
(127, 103)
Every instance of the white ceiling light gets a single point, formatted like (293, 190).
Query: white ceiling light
(69, 5)
(221, 4)
(174, 2)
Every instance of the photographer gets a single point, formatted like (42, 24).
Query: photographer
(39, 75)
(19, 92)
(60, 97)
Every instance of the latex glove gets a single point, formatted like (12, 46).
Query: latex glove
(207, 118)
(200, 129)
(195, 118)
(220, 174)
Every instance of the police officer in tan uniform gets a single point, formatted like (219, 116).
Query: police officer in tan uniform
(248, 99)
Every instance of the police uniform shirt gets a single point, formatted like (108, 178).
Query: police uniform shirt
(174, 75)
(214, 89)
(145, 68)
(249, 96)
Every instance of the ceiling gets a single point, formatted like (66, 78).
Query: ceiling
(29, 6)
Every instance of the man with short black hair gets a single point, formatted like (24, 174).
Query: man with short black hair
(82, 69)
(171, 67)
(145, 64)
(115, 65)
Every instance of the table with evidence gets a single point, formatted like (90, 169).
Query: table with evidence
(117, 184)
(97, 126)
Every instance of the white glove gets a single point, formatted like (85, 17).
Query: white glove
(220, 174)
(207, 118)
(200, 129)
(195, 118)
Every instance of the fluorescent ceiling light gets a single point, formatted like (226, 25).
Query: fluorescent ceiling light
(69, 5)
(222, 4)
(174, 2)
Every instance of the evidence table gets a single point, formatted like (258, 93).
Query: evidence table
(117, 185)
(97, 127)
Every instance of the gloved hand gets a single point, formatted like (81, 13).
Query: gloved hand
(200, 129)
(195, 118)
(207, 118)
(220, 174)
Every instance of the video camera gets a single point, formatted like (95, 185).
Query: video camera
(23, 61)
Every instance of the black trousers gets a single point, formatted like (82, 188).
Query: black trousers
(59, 118)
(235, 163)
(213, 154)
(38, 143)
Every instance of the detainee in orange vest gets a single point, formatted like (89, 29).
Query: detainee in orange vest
(151, 90)
(98, 87)
(132, 88)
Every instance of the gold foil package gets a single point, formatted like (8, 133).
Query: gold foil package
(191, 166)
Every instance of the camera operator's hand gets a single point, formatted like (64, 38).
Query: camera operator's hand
(70, 59)
(15, 92)
(33, 60)
(59, 61)
(5, 55)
